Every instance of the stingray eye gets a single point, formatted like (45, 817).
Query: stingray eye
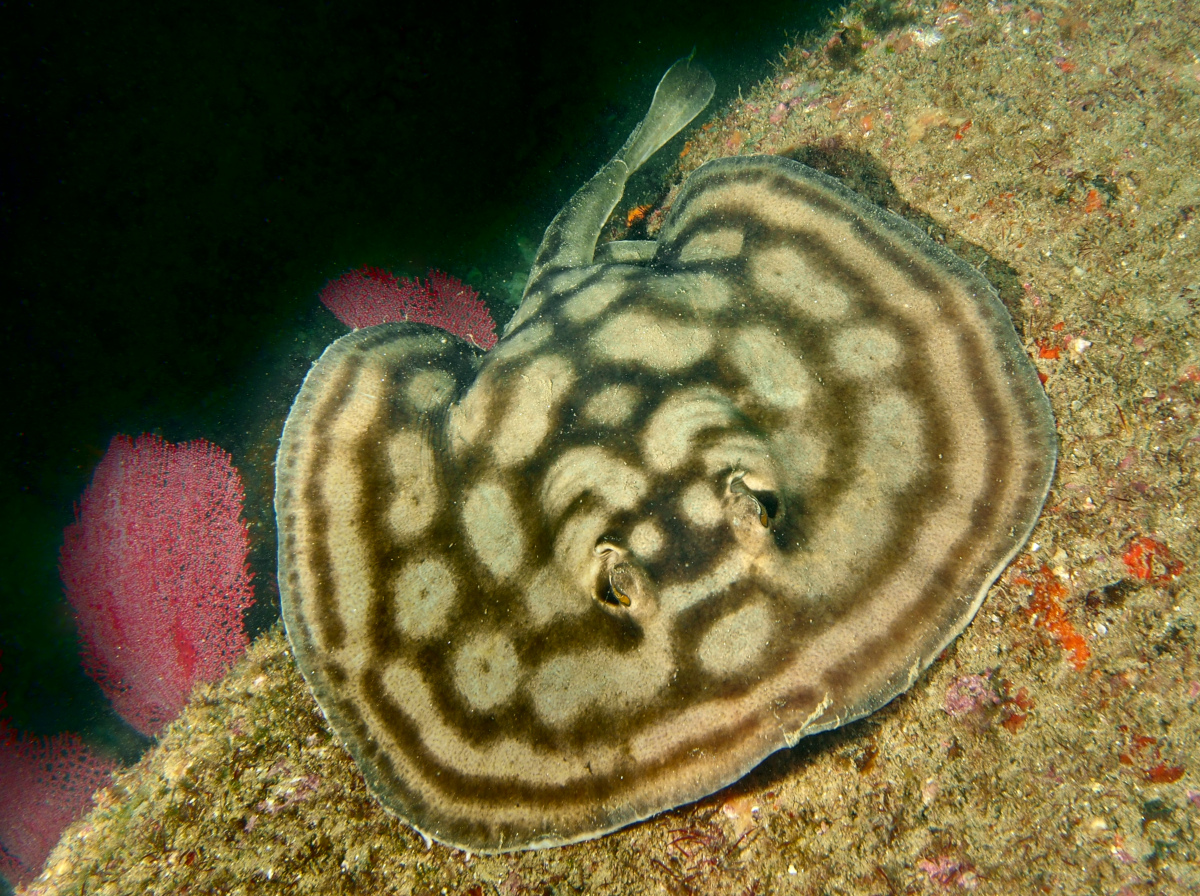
(614, 595)
(766, 503)
(615, 582)
(616, 586)
(769, 503)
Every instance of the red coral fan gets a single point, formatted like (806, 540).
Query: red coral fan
(45, 784)
(155, 568)
(366, 298)
(456, 307)
(370, 296)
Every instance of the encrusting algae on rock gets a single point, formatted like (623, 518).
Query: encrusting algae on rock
(1050, 776)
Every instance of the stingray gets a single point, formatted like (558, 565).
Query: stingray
(710, 494)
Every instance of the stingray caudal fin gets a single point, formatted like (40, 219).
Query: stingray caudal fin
(681, 95)
(570, 240)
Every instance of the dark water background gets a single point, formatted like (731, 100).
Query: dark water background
(178, 183)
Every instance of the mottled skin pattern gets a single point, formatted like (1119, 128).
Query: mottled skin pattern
(686, 512)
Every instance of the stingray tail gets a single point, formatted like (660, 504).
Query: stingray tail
(570, 240)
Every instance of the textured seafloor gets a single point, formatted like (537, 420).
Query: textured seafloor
(1054, 747)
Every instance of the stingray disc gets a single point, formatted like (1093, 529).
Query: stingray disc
(739, 488)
